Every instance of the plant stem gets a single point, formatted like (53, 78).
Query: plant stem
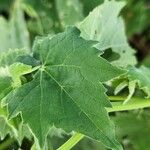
(71, 142)
(116, 98)
(134, 103)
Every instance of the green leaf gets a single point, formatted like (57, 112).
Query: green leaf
(14, 33)
(89, 5)
(46, 21)
(5, 82)
(11, 56)
(23, 132)
(13, 127)
(136, 14)
(104, 25)
(70, 12)
(17, 70)
(142, 77)
(135, 79)
(135, 127)
(67, 90)
(11, 70)
(5, 128)
(131, 86)
(120, 86)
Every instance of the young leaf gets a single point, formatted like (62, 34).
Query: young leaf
(104, 25)
(17, 70)
(5, 82)
(131, 86)
(67, 90)
(136, 78)
(11, 70)
(120, 87)
(23, 132)
(142, 77)
(5, 128)
(11, 56)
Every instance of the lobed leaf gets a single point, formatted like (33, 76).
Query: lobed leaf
(67, 90)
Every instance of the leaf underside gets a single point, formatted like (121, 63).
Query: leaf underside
(102, 25)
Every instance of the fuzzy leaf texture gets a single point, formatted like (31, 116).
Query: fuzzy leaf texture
(14, 64)
(104, 25)
(11, 56)
(67, 90)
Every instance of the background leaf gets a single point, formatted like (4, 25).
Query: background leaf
(134, 129)
(104, 21)
(10, 30)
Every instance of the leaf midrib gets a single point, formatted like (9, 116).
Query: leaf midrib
(62, 87)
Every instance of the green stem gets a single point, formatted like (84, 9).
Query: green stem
(134, 103)
(116, 98)
(71, 142)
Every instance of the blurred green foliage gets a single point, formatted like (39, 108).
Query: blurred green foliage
(42, 17)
